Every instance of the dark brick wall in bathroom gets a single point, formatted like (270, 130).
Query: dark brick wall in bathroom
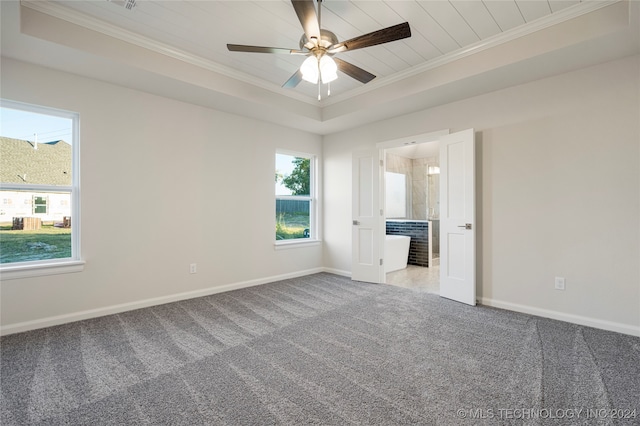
(419, 233)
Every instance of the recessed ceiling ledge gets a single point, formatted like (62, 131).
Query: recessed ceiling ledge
(598, 22)
(49, 28)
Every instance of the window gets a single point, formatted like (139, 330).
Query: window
(396, 195)
(39, 205)
(295, 200)
(39, 187)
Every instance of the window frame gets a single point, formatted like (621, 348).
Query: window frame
(71, 264)
(312, 198)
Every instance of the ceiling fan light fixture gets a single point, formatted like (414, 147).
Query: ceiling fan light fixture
(320, 45)
(328, 69)
(309, 69)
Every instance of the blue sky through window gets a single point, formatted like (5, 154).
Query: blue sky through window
(24, 125)
(284, 166)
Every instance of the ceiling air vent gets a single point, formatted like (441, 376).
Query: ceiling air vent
(128, 4)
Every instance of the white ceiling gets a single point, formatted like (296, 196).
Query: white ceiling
(203, 28)
(458, 48)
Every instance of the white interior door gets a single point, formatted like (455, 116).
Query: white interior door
(366, 239)
(457, 217)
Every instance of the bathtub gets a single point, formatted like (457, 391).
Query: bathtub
(396, 252)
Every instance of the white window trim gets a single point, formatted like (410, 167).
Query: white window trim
(298, 243)
(314, 239)
(40, 268)
(9, 271)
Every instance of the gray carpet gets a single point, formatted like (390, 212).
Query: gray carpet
(324, 350)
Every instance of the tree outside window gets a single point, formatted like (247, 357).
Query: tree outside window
(294, 197)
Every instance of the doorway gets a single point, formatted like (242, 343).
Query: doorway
(457, 213)
(411, 196)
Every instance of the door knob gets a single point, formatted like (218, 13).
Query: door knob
(355, 222)
(465, 226)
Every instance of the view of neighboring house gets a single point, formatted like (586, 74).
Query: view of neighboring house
(30, 163)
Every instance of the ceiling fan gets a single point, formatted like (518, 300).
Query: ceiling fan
(321, 45)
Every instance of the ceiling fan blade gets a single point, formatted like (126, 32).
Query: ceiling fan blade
(353, 71)
(385, 35)
(262, 49)
(306, 12)
(294, 80)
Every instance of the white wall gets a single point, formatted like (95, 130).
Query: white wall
(164, 184)
(559, 185)
(559, 192)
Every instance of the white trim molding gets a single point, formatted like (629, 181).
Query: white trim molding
(124, 307)
(338, 272)
(105, 28)
(501, 38)
(40, 269)
(95, 24)
(562, 316)
(295, 243)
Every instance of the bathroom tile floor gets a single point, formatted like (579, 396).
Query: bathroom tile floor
(417, 277)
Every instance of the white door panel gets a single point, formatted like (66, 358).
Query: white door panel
(455, 255)
(365, 246)
(457, 217)
(366, 239)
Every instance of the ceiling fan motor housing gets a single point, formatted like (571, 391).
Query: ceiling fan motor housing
(321, 45)
(327, 39)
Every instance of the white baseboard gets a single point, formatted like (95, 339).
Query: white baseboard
(561, 316)
(115, 309)
(337, 272)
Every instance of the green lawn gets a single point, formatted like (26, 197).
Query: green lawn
(46, 243)
(291, 225)
(55, 243)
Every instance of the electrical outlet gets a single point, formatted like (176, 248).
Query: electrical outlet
(193, 268)
(560, 283)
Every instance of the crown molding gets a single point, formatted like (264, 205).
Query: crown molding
(59, 11)
(564, 15)
(74, 17)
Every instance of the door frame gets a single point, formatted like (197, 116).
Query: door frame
(398, 143)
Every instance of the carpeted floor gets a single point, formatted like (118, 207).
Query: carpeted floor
(323, 350)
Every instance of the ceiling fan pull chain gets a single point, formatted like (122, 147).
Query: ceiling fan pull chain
(319, 81)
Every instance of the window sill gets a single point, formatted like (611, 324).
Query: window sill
(290, 244)
(41, 269)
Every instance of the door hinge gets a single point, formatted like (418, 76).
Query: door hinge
(381, 262)
(381, 212)
(381, 163)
